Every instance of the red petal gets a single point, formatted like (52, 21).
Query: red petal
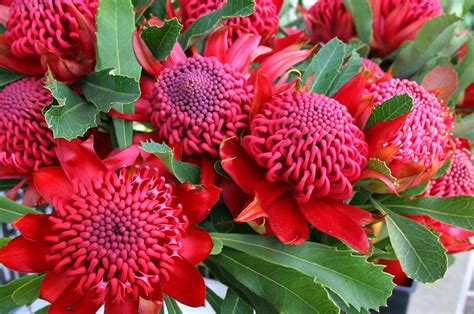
(128, 306)
(196, 204)
(240, 167)
(185, 284)
(70, 301)
(383, 132)
(216, 44)
(19, 65)
(26, 256)
(286, 220)
(31, 197)
(52, 286)
(34, 227)
(197, 245)
(124, 157)
(149, 306)
(443, 78)
(262, 93)
(52, 182)
(252, 212)
(350, 94)
(8, 173)
(241, 50)
(79, 161)
(233, 196)
(331, 217)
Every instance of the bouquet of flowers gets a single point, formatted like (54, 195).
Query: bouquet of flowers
(305, 156)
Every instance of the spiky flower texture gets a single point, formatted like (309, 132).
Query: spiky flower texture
(26, 142)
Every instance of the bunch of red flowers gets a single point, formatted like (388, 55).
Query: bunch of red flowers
(245, 104)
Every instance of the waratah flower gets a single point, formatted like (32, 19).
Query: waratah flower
(327, 19)
(298, 162)
(200, 100)
(263, 22)
(59, 35)
(415, 145)
(122, 233)
(459, 178)
(26, 142)
(396, 21)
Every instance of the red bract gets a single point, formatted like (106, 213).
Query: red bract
(26, 142)
(200, 100)
(397, 21)
(468, 101)
(327, 19)
(297, 164)
(122, 233)
(263, 22)
(59, 35)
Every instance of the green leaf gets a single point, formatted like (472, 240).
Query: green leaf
(72, 116)
(325, 66)
(158, 9)
(218, 168)
(217, 246)
(465, 127)
(441, 171)
(104, 89)
(6, 302)
(456, 211)
(183, 171)
(348, 71)
(233, 304)
(29, 292)
(10, 210)
(43, 310)
(171, 306)
(214, 300)
(288, 290)
(382, 168)
(115, 25)
(344, 307)
(414, 191)
(7, 184)
(4, 241)
(161, 40)
(465, 68)
(7, 77)
(421, 255)
(390, 109)
(435, 35)
(356, 281)
(362, 15)
(209, 22)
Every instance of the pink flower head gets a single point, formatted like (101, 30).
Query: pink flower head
(122, 233)
(311, 141)
(296, 166)
(459, 178)
(59, 35)
(26, 142)
(263, 22)
(397, 21)
(198, 101)
(327, 19)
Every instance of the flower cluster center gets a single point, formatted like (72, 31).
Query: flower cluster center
(119, 236)
(310, 141)
(200, 102)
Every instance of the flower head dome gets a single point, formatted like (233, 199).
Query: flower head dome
(264, 21)
(55, 34)
(118, 233)
(396, 21)
(327, 19)
(199, 102)
(26, 142)
(309, 140)
(423, 139)
(459, 178)
(296, 165)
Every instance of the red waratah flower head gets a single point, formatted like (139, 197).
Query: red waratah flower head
(59, 35)
(327, 19)
(297, 163)
(263, 22)
(200, 100)
(122, 233)
(415, 145)
(26, 142)
(396, 21)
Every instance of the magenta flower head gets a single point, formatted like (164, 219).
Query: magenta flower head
(459, 178)
(59, 35)
(263, 22)
(26, 142)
